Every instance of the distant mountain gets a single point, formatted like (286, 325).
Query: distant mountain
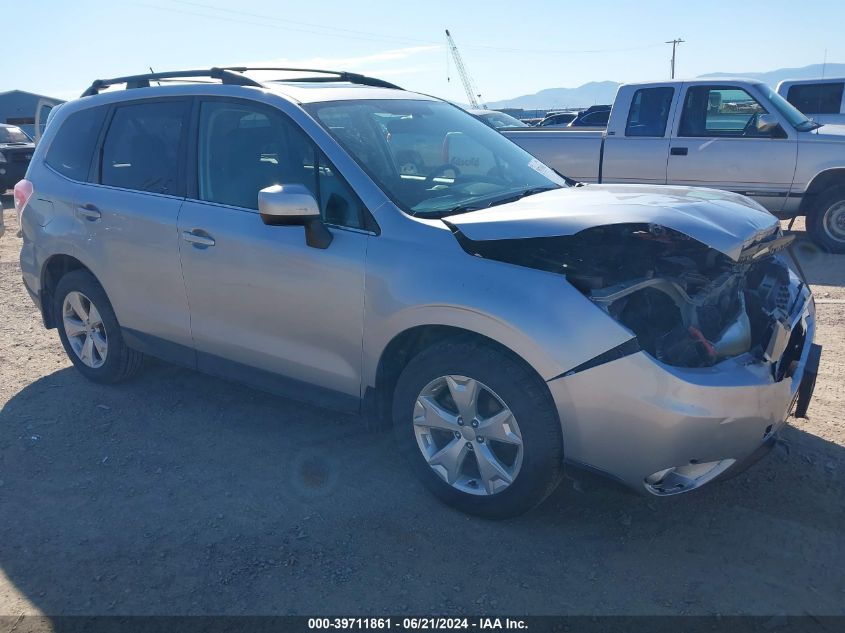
(559, 98)
(604, 91)
(774, 77)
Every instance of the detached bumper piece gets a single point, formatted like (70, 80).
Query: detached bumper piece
(808, 382)
(673, 481)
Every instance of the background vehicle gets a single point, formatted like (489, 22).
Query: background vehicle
(379, 251)
(559, 119)
(594, 116)
(15, 153)
(823, 100)
(496, 119)
(731, 134)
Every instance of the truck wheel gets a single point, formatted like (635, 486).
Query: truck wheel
(90, 332)
(826, 222)
(478, 428)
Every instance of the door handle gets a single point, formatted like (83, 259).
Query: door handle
(679, 151)
(88, 212)
(198, 239)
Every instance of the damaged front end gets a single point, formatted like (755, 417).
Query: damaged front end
(688, 304)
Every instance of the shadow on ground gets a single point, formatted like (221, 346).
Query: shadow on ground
(820, 267)
(179, 493)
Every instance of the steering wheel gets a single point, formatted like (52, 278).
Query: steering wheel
(441, 169)
(750, 128)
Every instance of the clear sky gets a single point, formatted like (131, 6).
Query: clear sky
(510, 48)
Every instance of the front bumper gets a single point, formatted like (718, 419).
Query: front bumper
(635, 417)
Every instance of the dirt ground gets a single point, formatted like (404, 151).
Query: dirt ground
(183, 494)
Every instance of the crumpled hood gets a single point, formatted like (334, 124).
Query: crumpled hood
(722, 220)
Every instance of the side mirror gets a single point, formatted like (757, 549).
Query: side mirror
(292, 205)
(767, 124)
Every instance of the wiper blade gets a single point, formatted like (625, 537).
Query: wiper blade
(520, 195)
(466, 208)
(462, 208)
(442, 213)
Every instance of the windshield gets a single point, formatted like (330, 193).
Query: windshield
(432, 158)
(13, 134)
(790, 112)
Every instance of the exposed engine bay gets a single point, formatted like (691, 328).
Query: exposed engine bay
(688, 304)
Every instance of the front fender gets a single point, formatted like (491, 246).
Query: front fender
(536, 314)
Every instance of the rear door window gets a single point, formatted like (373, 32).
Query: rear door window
(649, 112)
(817, 98)
(72, 149)
(143, 146)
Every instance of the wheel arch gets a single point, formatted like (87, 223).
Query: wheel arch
(405, 345)
(820, 183)
(54, 268)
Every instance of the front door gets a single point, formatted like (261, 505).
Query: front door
(265, 307)
(717, 144)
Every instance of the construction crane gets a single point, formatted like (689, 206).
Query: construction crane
(469, 86)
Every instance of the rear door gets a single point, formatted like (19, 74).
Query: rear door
(267, 308)
(127, 217)
(716, 144)
(637, 143)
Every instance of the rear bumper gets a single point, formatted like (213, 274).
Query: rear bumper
(636, 419)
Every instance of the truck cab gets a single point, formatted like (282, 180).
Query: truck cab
(713, 133)
(733, 134)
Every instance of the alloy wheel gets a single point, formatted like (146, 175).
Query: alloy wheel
(468, 435)
(84, 329)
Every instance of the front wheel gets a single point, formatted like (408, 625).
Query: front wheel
(826, 223)
(479, 429)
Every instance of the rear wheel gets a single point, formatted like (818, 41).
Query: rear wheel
(826, 222)
(478, 428)
(90, 332)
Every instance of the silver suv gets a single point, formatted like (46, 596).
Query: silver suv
(337, 239)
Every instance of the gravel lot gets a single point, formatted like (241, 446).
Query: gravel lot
(181, 494)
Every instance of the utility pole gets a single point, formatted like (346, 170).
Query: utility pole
(674, 44)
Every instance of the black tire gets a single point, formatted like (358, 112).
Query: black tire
(819, 216)
(529, 401)
(121, 361)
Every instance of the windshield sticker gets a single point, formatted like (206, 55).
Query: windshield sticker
(546, 171)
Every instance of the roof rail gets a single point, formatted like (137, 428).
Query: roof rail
(234, 75)
(225, 75)
(330, 75)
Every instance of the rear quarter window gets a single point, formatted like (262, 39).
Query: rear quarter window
(72, 148)
(649, 112)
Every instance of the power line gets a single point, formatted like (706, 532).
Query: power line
(232, 15)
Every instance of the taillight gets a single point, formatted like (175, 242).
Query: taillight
(23, 192)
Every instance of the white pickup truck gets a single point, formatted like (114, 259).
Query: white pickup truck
(733, 134)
